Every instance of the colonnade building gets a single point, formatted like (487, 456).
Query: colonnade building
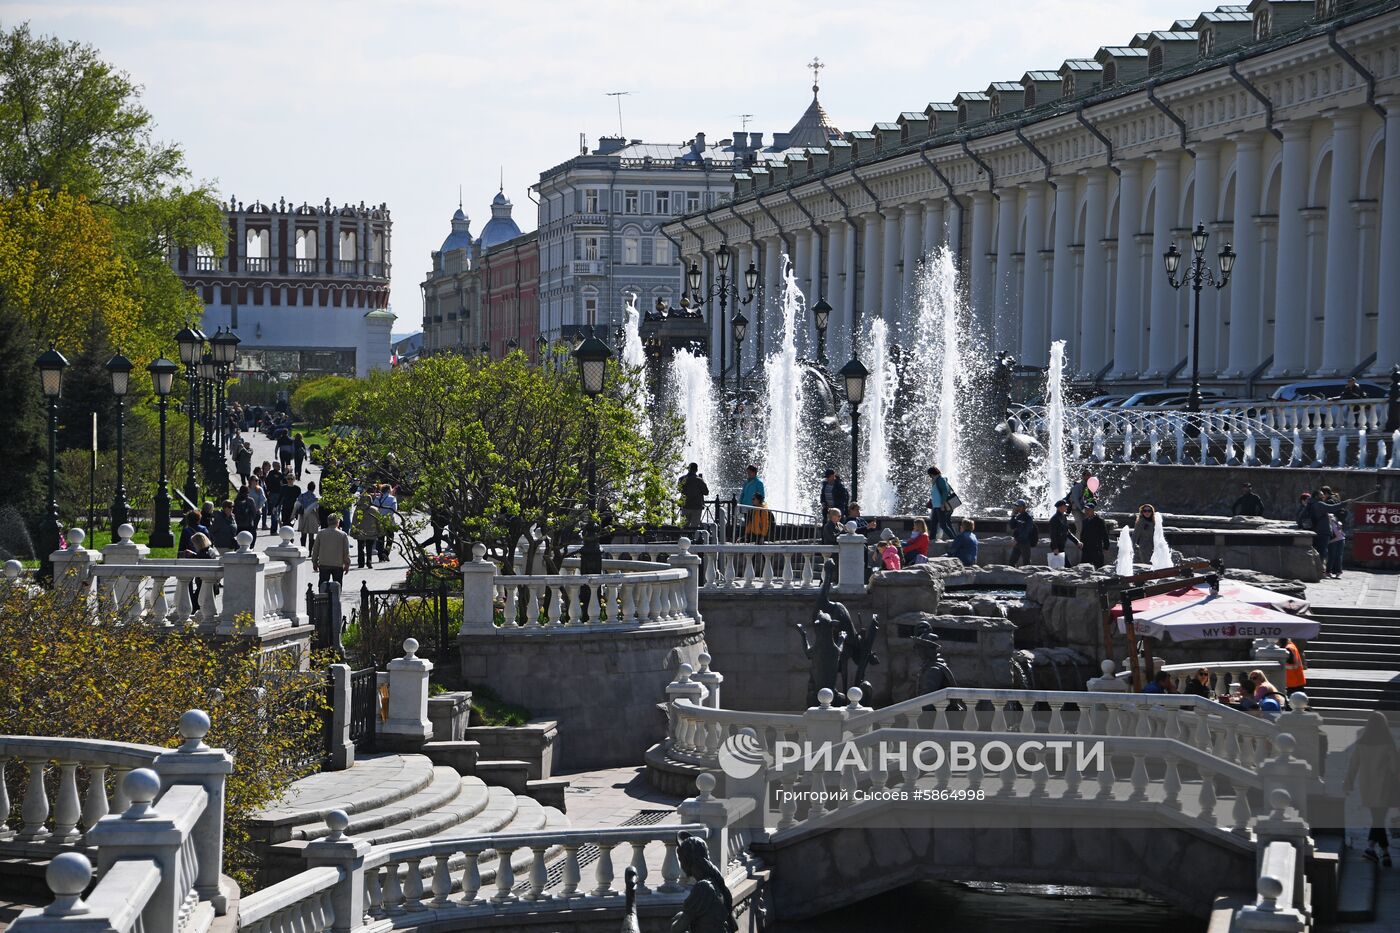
(305, 288)
(1275, 124)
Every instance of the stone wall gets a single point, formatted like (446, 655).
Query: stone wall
(1210, 490)
(601, 686)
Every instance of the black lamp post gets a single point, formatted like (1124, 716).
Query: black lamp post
(541, 345)
(51, 365)
(821, 313)
(592, 356)
(1198, 276)
(191, 344)
(163, 380)
(224, 346)
(119, 367)
(739, 327)
(208, 454)
(724, 289)
(855, 375)
(486, 350)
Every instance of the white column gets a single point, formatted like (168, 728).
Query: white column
(870, 270)
(1034, 311)
(933, 226)
(1290, 297)
(1246, 315)
(983, 294)
(1340, 317)
(889, 266)
(1388, 288)
(1367, 213)
(1062, 278)
(773, 275)
(816, 284)
(1127, 304)
(1005, 330)
(909, 275)
(802, 268)
(1162, 337)
(1315, 238)
(1093, 356)
(1206, 195)
(849, 260)
(839, 323)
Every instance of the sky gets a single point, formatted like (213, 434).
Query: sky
(402, 101)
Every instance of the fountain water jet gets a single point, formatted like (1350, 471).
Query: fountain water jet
(1124, 565)
(693, 394)
(785, 447)
(1161, 551)
(878, 495)
(1047, 483)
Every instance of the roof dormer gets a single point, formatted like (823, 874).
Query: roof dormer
(941, 117)
(862, 144)
(762, 178)
(886, 136)
(842, 152)
(798, 165)
(743, 184)
(1080, 76)
(820, 160)
(1274, 18)
(1041, 87)
(778, 172)
(1007, 97)
(912, 126)
(1121, 64)
(1167, 51)
(1222, 30)
(973, 107)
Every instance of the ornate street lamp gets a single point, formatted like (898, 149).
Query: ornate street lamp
(722, 288)
(51, 365)
(208, 452)
(191, 344)
(541, 345)
(592, 356)
(1198, 276)
(854, 373)
(821, 313)
(163, 380)
(119, 367)
(739, 327)
(224, 346)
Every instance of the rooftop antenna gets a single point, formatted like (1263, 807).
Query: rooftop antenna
(619, 95)
(816, 65)
(582, 143)
(459, 196)
(744, 119)
(503, 179)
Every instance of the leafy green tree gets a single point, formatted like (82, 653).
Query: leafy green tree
(497, 452)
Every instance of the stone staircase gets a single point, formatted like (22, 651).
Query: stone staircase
(1354, 663)
(393, 799)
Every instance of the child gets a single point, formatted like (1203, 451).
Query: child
(889, 555)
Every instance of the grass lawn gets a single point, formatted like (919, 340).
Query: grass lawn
(103, 537)
(321, 435)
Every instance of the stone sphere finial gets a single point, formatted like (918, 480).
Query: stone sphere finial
(704, 659)
(68, 876)
(288, 534)
(1284, 743)
(478, 551)
(76, 537)
(824, 696)
(683, 673)
(125, 531)
(140, 787)
(1269, 888)
(194, 726)
(245, 541)
(1299, 701)
(855, 695)
(705, 784)
(1108, 667)
(13, 569)
(850, 528)
(1280, 799)
(684, 544)
(410, 649)
(337, 821)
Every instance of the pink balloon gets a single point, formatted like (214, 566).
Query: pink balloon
(1093, 484)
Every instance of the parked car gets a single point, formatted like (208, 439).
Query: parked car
(1321, 389)
(1168, 398)
(1103, 401)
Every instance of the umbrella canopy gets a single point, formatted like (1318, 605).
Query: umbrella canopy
(1194, 613)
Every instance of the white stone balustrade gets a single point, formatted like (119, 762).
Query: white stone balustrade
(1284, 847)
(302, 903)
(1222, 673)
(744, 566)
(240, 585)
(117, 904)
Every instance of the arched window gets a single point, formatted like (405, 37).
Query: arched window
(1207, 42)
(962, 114)
(1110, 73)
(1067, 85)
(1030, 95)
(1154, 59)
(1262, 26)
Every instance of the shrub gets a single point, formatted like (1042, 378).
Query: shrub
(318, 401)
(67, 669)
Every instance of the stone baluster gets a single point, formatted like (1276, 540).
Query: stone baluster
(35, 810)
(512, 606)
(184, 606)
(1207, 795)
(539, 874)
(393, 890)
(532, 604)
(374, 896)
(471, 876)
(670, 868)
(569, 888)
(639, 864)
(555, 606)
(95, 805)
(603, 874)
(67, 809)
(1171, 784)
(1105, 779)
(628, 612)
(194, 762)
(413, 885)
(683, 687)
(691, 584)
(160, 606)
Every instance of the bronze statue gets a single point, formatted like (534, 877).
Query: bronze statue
(836, 643)
(709, 907)
(936, 675)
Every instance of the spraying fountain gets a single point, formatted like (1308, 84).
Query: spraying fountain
(1161, 551)
(1124, 565)
(692, 392)
(791, 488)
(878, 496)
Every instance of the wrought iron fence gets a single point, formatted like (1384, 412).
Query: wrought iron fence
(385, 618)
(364, 708)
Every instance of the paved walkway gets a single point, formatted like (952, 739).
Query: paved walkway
(612, 797)
(1362, 588)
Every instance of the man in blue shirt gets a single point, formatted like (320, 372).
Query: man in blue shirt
(753, 486)
(940, 509)
(964, 546)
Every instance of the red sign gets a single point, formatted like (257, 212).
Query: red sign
(1376, 514)
(1376, 546)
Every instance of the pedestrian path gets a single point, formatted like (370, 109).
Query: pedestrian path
(1358, 589)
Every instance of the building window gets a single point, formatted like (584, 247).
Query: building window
(631, 251)
(1207, 41)
(1154, 59)
(590, 310)
(663, 202)
(1067, 85)
(1110, 73)
(1030, 95)
(692, 202)
(590, 200)
(663, 252)
(631, 202)
(590, 248)
(1262, 25)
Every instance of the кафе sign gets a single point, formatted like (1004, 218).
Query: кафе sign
(1378, 540)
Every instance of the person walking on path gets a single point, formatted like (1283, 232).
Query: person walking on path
(834, 494)
(1093, 537)
(290, 493)
(388, 505)
(1374, 771)
(1060, 532)
(307, 515)
(1024, 534)
(298, 453)
(245, 512)
(1318, 516)
(273, 480)
(1336, 545)
(1248, 503)
(940, 505)
(1080, 497)
(243, 461)
(223, 530)
(693, 492)
(964, 546)
(330, 553)
(258, 498)
(364, 526)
